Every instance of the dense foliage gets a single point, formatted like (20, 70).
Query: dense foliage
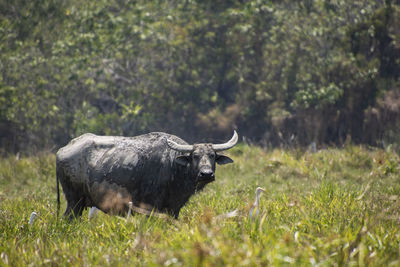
(282, 72)
(330, 208)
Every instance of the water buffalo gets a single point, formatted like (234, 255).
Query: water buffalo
(158, 170)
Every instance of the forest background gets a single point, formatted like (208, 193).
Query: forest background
(284, 73)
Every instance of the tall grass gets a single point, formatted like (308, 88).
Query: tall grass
(333, 207)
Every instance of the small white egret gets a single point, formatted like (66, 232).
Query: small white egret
(33, 216)
(254, 210)
(231, 214)
(92, 212)
(130, 204)
(313, 147)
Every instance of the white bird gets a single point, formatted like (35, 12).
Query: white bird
(231, 214)
(130, 204)
(32, 219)
(313, 147)
(254, 209)
(92, 212)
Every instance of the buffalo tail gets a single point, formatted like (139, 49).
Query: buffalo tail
(58, 196)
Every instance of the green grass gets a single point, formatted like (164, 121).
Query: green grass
(333, 207)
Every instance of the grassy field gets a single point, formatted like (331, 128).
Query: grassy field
(333, 207)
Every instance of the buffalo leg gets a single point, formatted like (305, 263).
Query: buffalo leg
(75, 207)
(176, 214)
(75, 198)
(78, 208)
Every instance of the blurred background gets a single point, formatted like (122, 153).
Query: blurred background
(283, 73)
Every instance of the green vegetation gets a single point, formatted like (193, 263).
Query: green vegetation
(332, 207)
(282, 72)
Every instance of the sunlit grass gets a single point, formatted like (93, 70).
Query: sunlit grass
(333, 207)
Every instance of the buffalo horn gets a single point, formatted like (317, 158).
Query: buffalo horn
(179, 147)
(227, 145)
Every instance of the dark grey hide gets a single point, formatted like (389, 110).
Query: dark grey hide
(157, 170)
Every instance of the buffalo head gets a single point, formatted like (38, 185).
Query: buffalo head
(202, 157)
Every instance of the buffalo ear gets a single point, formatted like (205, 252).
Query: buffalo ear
(182, 160)
(221, 159)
